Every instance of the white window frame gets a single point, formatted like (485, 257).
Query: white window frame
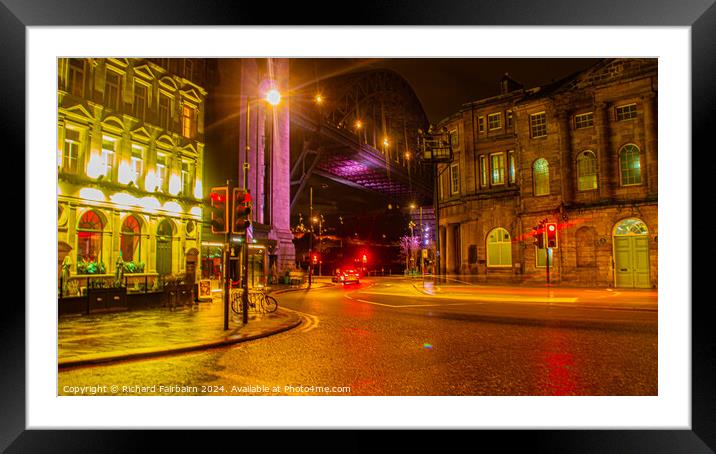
(500, 181)
(499, 243)
(490, 117)
(161, 170)
(73, 144)
(143, 106)
(454, 178)
(586, 117)
(533, 117)
(108, 156)
(480, 124)
(511, 166)
(136, 166)
(632, 115)
(483, 171)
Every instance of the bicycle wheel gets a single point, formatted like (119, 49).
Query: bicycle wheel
(270, 304)
(236, 302)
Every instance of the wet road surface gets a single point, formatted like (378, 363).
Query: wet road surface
(385, 337)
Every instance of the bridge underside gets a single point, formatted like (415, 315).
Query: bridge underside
(364, 139)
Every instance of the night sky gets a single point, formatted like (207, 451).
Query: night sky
(460, 80)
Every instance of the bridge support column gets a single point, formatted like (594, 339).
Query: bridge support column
(280, 190)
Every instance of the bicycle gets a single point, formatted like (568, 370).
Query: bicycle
(259, 301)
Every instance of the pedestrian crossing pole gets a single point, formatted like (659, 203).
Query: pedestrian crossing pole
(227, 252)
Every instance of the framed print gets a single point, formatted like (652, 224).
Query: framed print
(108, 55)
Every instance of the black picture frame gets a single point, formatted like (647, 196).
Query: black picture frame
(17, 15)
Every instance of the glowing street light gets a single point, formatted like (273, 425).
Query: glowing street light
(385, 142)
(319, 99)
(273, 97)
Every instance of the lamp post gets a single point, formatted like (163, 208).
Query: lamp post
(273, 97)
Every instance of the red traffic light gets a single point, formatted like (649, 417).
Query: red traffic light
(551, 235)
(219, 209)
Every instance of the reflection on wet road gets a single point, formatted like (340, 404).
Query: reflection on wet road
(385, 337)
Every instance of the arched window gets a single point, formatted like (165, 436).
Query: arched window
(586, 171)
(631, 226)
(629, 165)
(499, 248)
(131, 241)
(89, 243)
(540, 175)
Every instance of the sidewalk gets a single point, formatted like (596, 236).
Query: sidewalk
(101, 338)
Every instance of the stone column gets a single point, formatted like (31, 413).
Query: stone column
(650, 151)
(280, 165)
(607, 157)
(566, 164)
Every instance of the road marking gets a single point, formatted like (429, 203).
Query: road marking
(308, 323)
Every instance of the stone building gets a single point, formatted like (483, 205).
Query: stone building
(581, 153)
(130, 147)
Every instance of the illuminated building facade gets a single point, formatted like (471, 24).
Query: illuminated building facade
(130, 147)
(580, 152)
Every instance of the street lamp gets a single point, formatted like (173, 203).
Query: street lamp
(273, 97)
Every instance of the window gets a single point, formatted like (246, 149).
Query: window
(585, 120)
(131, 240)
(626, 112)
(538, 125)
(89, 243)
(511, 159)
(139, 106)
(454, 140)
(76, 77)
(186, 178)
(586, 171)
(498, 168)
(107, 157)
(508, 120)
(494, 121)
(187, 121)
(540, 175)
(71, 151)
(454, 178)
(499, 248)
(164, 111)
(137, 163)
(161, 170)
(112, 90)
(483, 171)
(629, 165)
(542, 257)
(481, 124)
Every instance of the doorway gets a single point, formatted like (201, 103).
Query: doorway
(631, 254)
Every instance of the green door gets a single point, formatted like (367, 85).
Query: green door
(631, 256)
(164, 248)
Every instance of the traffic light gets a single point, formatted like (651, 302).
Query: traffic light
(241, 214)
(218, 200)
(314, 258)
(551, 229)
(365, 259)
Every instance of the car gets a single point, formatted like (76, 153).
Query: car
(350, 275)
